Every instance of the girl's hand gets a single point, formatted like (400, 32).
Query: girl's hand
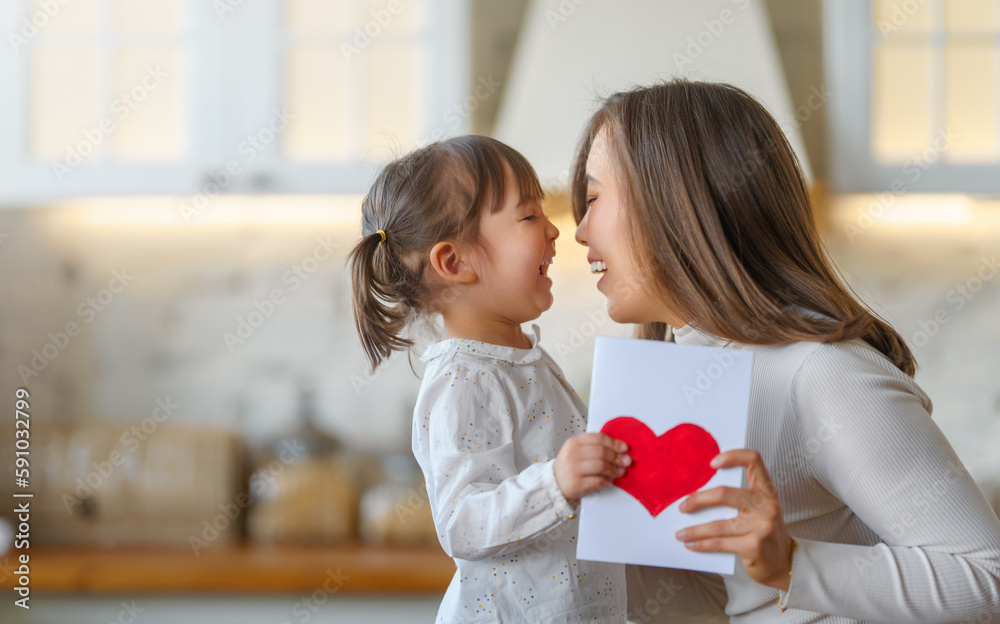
(758, 535)
(588, 462)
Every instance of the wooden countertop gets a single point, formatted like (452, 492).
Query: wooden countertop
(235, 569)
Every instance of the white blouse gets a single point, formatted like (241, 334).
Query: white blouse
(889, 524)
(488, 423)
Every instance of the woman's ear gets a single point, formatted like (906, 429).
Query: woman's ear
(447, 260)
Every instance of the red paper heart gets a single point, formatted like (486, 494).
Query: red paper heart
(663, 468)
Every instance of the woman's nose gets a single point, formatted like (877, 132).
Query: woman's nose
(581, 232)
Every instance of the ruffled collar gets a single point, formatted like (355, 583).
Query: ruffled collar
(690, 335)
(486, 350)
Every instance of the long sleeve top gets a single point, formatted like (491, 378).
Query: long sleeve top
(890, 526)
(488, 423)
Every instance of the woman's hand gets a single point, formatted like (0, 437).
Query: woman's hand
(588, 462)
(758, 535)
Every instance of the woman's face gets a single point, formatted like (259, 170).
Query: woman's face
(605, 230)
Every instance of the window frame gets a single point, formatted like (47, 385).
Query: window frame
(854, 168)
(218, 53)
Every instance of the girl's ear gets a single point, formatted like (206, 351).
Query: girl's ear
(447, 261)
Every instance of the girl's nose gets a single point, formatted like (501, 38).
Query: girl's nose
(581, 231)
(553, 231)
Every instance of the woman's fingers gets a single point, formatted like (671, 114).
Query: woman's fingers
(757, 534)
(749, 459)
(730, 497)
(739, 546)
(738, 457)
(719, 528)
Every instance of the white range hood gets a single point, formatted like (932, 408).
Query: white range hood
(573, 52)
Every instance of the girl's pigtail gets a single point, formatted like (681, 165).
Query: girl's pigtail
(382, 297)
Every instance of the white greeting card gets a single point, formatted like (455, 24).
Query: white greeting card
(677, 406)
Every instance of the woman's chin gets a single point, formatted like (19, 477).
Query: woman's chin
(620, 314)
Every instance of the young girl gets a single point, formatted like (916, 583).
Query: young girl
(456, 228)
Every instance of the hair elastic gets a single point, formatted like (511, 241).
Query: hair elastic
(382, 234)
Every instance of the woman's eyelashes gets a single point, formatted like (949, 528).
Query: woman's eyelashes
(590, 200)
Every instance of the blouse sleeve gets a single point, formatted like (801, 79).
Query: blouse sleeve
(484, 506)
(873, 445)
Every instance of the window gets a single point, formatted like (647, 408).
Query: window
(916, 87)
(176, 96)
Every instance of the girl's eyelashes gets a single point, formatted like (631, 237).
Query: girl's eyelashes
(530, 218)
(590, 200)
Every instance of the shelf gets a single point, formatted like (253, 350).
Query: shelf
(237, 569)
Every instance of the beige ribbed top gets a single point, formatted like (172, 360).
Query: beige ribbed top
(890, 526)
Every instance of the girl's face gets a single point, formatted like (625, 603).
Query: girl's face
(604, 230)
(514, 274)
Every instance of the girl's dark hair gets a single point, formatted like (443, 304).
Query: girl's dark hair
(432, 194)
(721, 221)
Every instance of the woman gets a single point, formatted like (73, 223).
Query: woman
(695, 210)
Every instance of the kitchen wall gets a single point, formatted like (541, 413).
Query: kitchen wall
(189, 287)
(228, 321)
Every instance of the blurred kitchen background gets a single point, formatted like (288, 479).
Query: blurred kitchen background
(180, 182)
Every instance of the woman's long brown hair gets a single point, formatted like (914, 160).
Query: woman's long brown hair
(721, 220)
(432, 194)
